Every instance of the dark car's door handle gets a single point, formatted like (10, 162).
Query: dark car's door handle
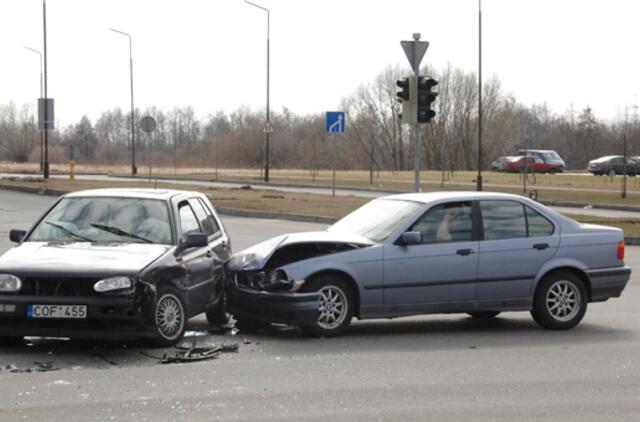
(464, 252)
(541, 246)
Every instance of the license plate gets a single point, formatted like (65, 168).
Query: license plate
(57, 311)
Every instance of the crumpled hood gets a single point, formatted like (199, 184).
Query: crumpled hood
(255, 257)
(80, 258)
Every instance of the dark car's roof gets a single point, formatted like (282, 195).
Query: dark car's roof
(162, 194)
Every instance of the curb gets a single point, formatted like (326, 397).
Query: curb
(261, 183)
(579, 205)
(238, 212)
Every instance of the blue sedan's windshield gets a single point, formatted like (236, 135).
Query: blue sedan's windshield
(102, 219)
(377, 219)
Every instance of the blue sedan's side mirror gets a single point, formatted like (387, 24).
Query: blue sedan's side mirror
(410, 238)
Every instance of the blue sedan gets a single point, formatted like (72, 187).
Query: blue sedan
(453, 252)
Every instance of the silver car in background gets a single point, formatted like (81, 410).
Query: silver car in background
(409, 254)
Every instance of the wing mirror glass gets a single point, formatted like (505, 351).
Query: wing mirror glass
(193, 240)
(410, 238)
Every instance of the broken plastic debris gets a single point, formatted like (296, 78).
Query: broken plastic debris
(193, 352)
(40, 367)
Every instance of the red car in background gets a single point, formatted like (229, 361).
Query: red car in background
(534, 165)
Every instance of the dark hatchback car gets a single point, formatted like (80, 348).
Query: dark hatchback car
(612, 165)
(115, 263)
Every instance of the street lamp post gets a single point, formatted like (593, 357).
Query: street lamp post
(268, 123)
(45, 166)
(134, 170)
(41, 96)
(479, 177)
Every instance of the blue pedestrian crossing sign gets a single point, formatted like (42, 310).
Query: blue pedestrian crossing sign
(335, 122)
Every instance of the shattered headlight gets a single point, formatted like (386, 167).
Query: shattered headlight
(243, 261)
(9, 283)
(112, 283)
(277, 280)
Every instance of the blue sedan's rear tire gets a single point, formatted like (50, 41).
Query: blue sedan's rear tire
(560, 301)
(336, 306)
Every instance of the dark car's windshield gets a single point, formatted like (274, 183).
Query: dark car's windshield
(377, 219)
(102, 219)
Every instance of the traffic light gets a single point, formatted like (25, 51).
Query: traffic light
(425, 97)
(407, 96)
(404, 94)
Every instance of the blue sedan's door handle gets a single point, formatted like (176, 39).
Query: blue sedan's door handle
(541, 246)
(464, 252)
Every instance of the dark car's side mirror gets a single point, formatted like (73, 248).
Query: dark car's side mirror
(16, 236)
(410, 238)
(193, 240)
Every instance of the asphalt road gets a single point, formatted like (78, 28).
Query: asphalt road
(442, 367)
(317, 190)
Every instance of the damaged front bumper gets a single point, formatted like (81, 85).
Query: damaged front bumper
(273, 306)
(108, 316)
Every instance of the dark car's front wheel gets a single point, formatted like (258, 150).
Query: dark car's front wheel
(560, 301)
(169, 317)
(336, 306)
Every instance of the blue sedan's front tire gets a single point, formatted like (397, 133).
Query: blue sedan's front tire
(336, 305)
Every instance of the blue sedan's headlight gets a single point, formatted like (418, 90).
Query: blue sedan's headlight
(112, 283)
(9, 283)
(276, 280)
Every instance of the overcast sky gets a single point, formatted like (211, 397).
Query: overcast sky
(211, 54)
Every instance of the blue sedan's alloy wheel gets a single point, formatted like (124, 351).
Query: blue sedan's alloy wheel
(336, 305)
(560, 301)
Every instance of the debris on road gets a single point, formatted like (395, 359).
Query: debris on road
(40, 367)
(194, 352)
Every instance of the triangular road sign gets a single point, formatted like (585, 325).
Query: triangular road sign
(421, 48)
